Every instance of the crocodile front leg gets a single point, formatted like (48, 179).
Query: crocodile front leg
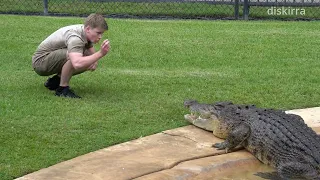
(237, 135)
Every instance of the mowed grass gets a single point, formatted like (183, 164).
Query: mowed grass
(139, 88)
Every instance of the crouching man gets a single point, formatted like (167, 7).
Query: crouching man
(69, 51)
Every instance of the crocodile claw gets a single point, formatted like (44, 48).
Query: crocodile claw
(219, 146)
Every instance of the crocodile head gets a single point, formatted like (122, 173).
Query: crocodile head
(215, 121)
(188, 103)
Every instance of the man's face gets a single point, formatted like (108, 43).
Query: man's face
(94, 34)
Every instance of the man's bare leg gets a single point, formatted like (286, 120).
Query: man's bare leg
(66, 74)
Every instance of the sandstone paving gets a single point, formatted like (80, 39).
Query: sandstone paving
(213, 167)
(135, 158)
(310, 115)
(184, 153)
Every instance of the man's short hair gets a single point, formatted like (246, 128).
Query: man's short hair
(96, 21)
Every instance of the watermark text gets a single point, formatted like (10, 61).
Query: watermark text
(286, 11)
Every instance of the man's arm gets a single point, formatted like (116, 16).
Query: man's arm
(93, 66)
(79, 61)
(91, 51)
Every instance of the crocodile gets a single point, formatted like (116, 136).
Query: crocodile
(274, 137)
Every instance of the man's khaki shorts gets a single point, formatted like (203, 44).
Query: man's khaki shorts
(51, 63)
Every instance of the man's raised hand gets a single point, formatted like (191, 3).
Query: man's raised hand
(105, 47)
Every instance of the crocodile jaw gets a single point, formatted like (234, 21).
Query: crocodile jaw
(210, 124)
(199, 122)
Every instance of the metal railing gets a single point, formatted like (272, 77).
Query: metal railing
(194, 9)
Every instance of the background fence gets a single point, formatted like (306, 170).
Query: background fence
(199, 9)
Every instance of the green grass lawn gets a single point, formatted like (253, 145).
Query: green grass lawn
(139, 88)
